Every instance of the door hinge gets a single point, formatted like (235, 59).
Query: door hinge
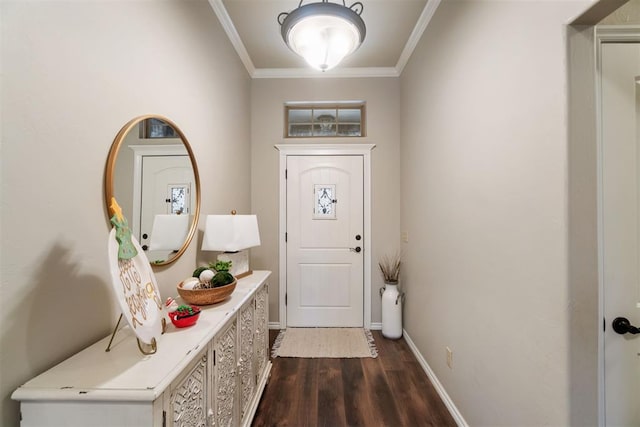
(286, 236)
(214, 358)
(604, 324)
(285, 298)
(164, 418)
(286, 173)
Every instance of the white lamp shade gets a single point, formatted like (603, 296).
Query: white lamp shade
(230, 233)
(169, 232)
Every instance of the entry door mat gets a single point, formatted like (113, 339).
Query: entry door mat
(324, 343)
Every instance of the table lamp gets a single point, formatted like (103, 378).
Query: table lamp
(169, 232)
(232, 235)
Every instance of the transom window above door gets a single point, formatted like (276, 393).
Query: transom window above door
(318, 120)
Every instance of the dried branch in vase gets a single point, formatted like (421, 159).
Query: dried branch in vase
(390, 268)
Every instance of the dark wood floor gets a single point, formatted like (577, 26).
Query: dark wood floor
(391, 390)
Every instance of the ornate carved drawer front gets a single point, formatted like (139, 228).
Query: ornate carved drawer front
(225, 377)
(262, 328)
(246, 362)
(189, 397)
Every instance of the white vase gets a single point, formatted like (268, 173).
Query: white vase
(391, 311)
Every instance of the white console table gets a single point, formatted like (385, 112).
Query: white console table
(212, 373)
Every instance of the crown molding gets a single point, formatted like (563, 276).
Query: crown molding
(305, 73)
(232, 33)
(424, 19)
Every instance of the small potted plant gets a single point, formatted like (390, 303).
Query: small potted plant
(222, 276)
(184, 315)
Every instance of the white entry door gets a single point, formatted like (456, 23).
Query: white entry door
(325, 241)
(166, 189)
(620, 198)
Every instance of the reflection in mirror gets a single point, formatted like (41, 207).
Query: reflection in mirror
(152, 173)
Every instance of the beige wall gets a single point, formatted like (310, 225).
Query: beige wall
(628, 14)
(484, 161)
(382, 96)
(73, 73)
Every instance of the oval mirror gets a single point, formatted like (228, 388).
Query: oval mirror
(152, 173)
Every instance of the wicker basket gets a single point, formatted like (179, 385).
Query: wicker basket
(206, 296)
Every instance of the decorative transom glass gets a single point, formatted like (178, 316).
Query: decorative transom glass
(157, 128)
(324, 201)
(324, 120)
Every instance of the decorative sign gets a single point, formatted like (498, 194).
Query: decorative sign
(137, 291)
(133, 281)
(324, 201)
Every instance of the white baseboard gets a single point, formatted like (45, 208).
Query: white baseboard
(374, 326)
(274, 325)
(457, 416)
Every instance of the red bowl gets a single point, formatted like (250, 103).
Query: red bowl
(182, 321)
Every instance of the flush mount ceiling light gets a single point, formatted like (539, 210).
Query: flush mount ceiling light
(323, 33)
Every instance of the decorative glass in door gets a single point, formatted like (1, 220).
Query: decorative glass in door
(179, 200)
(325, 201)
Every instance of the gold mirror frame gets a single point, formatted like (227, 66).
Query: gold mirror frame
(110, 171)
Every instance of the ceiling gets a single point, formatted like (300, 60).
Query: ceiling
(393, 29)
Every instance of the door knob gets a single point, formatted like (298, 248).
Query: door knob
(145, 247)
(622, 326)
(357, 249)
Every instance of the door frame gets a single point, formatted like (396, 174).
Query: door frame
(363, 150)
(604, 34)
(139, 152)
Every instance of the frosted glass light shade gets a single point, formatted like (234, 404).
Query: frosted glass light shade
(169, 232)
(323, 33)
(230, 233)
(323, 41)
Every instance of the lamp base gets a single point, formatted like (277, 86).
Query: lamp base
(239, 263)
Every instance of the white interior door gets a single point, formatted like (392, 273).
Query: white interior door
(166, 189)
(325, 241)
(620, 89)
